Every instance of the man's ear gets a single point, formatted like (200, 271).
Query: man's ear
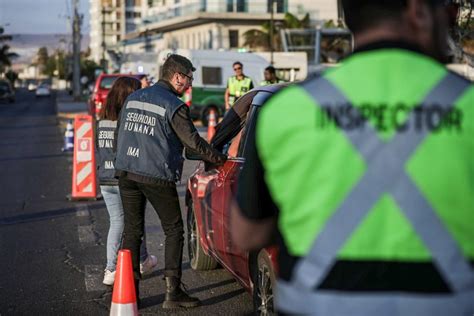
(419, 16)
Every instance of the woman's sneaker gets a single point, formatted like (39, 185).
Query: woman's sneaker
(149, 264)
(109, 277)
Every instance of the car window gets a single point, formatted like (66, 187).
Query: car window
(106, 82)
(233, 122)
(232, 148)
(212, 75)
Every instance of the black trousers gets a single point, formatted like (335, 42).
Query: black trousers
(164, 199)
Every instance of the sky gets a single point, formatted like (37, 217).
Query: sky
(40, 16)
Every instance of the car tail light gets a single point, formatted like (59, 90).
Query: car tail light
(98, 107)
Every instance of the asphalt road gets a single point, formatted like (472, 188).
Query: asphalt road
(52, 251)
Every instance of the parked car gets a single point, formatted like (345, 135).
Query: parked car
(6, 91)
(101, 89)
(32, 86)
(43, 90)
(208, 197)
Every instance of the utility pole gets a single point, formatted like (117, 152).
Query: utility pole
(272, 31)
(76, 51)
(103, 61)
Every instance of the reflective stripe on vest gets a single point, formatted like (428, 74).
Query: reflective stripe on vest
(299, 296)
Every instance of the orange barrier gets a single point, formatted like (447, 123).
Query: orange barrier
(124, 299)
(84, 168)
(211, 126)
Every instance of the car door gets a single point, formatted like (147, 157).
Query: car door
(216, 200)
(238, 259)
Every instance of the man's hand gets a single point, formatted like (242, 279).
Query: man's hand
(250, 234)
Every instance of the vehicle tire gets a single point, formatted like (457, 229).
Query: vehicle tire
(198, 259)
(205, 115)
(264, 283)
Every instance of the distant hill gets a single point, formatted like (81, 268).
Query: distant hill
(27, 45)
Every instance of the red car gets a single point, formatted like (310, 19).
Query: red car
(208, 197)
(101, 89)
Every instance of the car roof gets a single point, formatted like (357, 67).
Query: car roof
(122, 75)
(272, 88)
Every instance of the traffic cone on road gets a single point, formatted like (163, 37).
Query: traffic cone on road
(211, 126)
(68, 137)
(124, 299)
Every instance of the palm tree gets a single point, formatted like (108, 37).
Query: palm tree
(5, 55)
(260, 39)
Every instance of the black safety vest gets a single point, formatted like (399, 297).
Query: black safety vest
(105, 146)
(147, 144)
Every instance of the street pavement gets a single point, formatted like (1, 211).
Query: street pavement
(52, 251)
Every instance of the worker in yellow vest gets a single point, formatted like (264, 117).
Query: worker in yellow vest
(365, 174)
(237, 85)
(270, 77)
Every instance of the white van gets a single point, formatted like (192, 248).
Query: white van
(289, 66)
(213, 68)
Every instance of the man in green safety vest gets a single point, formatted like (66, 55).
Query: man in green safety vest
(365, 174)
(237, 85)
(270, 77)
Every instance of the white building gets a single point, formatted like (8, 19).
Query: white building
(213, 24)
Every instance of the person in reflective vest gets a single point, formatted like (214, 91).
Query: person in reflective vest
(237, 85)
(105, 148)
(270, 77)
(368, 179)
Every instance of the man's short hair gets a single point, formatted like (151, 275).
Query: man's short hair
(176, 64)
(238, 63)
(271, 69)
(362, 15)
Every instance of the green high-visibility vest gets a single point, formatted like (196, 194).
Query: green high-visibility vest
(374, 161)
(238, 88)
(267, 83)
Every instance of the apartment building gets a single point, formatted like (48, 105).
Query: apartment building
(213, 24)
(110, 20)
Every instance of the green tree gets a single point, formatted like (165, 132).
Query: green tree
(56, 65)
(12, 76)
(260, 39)
(42, 58)
(6, 56)
(88, 68)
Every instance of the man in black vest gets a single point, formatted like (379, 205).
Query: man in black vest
(154, 128)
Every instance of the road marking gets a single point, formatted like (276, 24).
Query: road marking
(86, 234)
(82, 211)
(93, 275)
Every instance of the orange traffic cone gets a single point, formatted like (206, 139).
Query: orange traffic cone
(124, 299)
(211, 126)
